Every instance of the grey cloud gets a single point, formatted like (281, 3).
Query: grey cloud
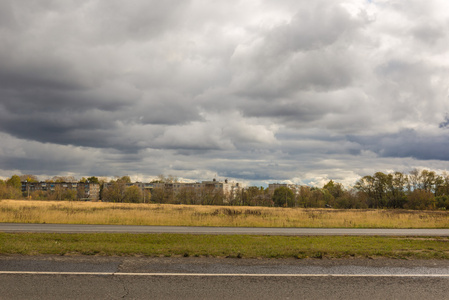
(191, 137)
(410, 88)
(396, 68)
(34, 165)
(276, 108)
(107, 98)
(407, 143)
(429, 32)
(95, 21)
(314, 26)
(337, 110)
(287, 72)
(445, 123)
(163, 107)
(64, 78)
(423, 21)
(317, 71)
(27, 72)
(141, 20)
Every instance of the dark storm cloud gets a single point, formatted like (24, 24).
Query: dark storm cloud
(407, 143)
(294, 70)
(76, 76)
(30, 165)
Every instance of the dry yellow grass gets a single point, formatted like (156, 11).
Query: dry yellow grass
(26, 211)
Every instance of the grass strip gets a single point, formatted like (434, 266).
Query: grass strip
(241, 246)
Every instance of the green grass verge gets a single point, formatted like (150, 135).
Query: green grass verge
(245, 246)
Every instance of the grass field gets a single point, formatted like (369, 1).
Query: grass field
(26, 211)
(241, 246)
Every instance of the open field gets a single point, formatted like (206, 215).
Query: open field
(224, 246)
(64, 212)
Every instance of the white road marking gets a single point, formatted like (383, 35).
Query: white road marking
(54, 273)
(218, 274)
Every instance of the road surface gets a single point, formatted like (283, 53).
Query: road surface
(55, 277)
(73, 228)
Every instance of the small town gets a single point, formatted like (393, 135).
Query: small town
(163, 190)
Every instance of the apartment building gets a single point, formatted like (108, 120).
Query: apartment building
(226, 187)
(85, 190)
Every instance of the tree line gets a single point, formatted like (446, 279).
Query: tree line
(419, 189)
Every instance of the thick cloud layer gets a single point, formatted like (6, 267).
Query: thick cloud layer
(256, 91)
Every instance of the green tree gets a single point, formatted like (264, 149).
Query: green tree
(211, 196)
(9, 190)
(93, 179)
(251, 196)
(443, 187)
(263, 198)
(375, 187)
(146, 196)
(442, 202)
(115, 192)
(57, 193)
(335, 189)
(14, 182)
(133, 194)
(69, 194)
(396, 184)
(29, 178)
(318, 197)
(187, 195)
(284, 197)
(125, 179)
(303, 196)
(158, 195)
(428, 181)
(39, 195)
(420, 199)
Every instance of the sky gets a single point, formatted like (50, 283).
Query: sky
(254, 91)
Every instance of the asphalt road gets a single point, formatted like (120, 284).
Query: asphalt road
(73, 228)
(54, 277)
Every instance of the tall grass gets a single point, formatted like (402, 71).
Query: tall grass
(25, 211)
